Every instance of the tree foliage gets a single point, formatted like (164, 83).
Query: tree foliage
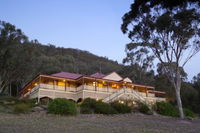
(21, 60)
(166, 30)
(138, 74)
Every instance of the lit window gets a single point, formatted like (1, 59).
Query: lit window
(114, 85)
(100, 85)
(61, 84)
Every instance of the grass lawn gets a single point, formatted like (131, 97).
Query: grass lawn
(127, 123)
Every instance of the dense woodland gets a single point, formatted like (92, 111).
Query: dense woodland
(22, 59)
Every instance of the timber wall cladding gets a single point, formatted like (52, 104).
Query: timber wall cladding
(95, 95)
(65, 95)
(46, 93)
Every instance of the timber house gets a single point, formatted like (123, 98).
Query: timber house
(105, 87)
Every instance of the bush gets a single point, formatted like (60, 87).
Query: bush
(188, 113)
(45, 100)
(85, 110)
(22, 108)
(88, 102)
(143, 108)
(87, 106)
(165, 108)
(62, 106)
(121, 108)
(30, 102)
(7, 100)
(104, 108)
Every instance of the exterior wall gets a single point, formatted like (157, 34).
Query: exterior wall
(95, 95)
(34, 94)
(142, 94)
(85, 91)
(151, 95)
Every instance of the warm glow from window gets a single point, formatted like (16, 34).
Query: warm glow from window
(114, 86)
(50, 82)
(94, 83)
(122, 102)
(100, 85)
(61, 84)
(36, 84)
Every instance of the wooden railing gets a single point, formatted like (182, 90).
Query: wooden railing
(140, 95)
(58, 88)
(113, 96)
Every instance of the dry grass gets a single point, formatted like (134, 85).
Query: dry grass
(128, 123)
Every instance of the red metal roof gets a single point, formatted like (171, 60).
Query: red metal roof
(67, 75)
(97, 75)
(74, 76)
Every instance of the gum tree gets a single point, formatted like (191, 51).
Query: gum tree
(11, 65)
(166, 30)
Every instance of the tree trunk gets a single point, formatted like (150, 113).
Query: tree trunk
(178, 96)
(179, 102)
(10, 89)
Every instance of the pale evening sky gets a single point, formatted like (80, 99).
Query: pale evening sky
(92, 25)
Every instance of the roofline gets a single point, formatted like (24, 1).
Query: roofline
(44, 75)
(60, 77)
(29, 83)
(83, 76)
(111, 73)
(100, 79)
(158, 92)
(64, 77)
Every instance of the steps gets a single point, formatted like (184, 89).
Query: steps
(138, 96)
(121, 92)
(114, 96)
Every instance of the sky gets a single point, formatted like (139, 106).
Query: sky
(91, 25)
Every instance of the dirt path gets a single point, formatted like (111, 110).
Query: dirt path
(128, 123)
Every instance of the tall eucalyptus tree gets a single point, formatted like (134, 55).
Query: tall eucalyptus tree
(166, 30)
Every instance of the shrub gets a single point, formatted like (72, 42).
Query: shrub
(85, 110)
(104, 108)
(7, 100)
(22, 108)
(88, 102)
(188, 113)
(143, 108)
(87, 106)
(92, 106)
(165, 108)
(45, 100)
(30, 102)
(121, 108)
(62, 106)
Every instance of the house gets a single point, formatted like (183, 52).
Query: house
(107, 87)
